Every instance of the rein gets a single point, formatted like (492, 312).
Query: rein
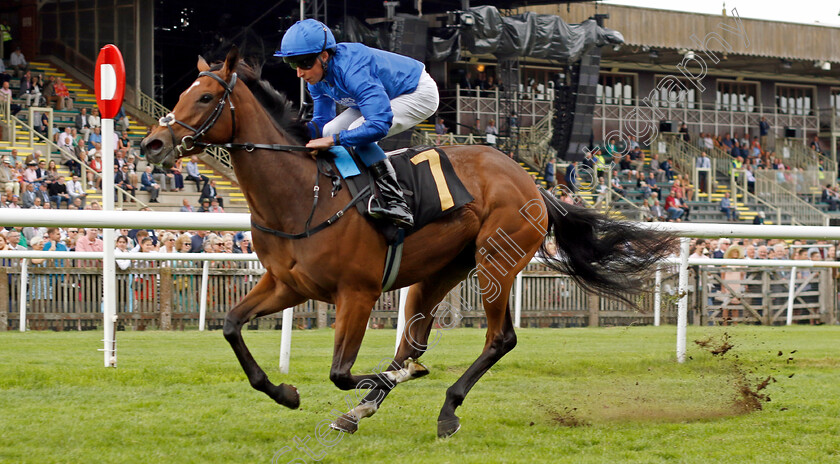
(189, 142)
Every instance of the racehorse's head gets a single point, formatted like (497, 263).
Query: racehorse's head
(204, 115)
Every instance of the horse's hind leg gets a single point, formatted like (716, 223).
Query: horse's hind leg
(267, 297)
(423, 298)
(495, 278)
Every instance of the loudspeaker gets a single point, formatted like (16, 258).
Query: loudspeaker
(793, 133)
(834, 221)
(574, 106)
(666, 126)
(408, 37)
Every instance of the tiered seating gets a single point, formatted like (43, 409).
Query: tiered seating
(84, 98)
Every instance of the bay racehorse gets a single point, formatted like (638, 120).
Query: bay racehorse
(493, 237)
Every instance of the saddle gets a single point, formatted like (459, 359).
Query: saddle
(425, 174)
(429, 184)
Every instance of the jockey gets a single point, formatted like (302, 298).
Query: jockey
(384, 93)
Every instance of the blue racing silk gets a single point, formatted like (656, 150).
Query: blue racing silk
(366, 79)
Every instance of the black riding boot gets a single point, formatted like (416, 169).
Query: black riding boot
(391, 194)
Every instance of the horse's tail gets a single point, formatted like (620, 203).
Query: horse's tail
(609, 257)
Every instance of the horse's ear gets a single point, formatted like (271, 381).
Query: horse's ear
(231, 60)
(202, 64)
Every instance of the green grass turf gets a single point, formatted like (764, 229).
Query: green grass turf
(563, 395)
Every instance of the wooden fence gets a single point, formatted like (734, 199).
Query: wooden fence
(66, 295)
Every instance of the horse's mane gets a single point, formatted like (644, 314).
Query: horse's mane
(275, 103)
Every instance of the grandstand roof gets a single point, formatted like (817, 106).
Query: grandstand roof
(673, 30)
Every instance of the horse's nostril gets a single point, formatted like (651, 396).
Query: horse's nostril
(154, 145)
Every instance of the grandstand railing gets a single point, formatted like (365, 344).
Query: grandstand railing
(771, 191)
(637, 116)
(794, 152)
(464, 106)
(685, 155)
(155, 110)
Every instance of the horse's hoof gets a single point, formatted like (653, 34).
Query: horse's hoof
(345, 424)
(448, 427)
(287, 395)
(415, 369)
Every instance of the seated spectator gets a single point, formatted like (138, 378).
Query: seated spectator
(82, 124)
(30, 90)
(615, 183)
(728, 209)
(214, 206)
(177, 177)
(194, 175)
(210, 192)
(667, 167)
(8, 178)
(657, 212)
(95, 167)
(65, 102)
(205, 206)
(6, 96)
(626, 167)
(830, 196)
(58, 192)
(148, 184)
(123, 181)
(48, 90)
(17, 63)
(672, 207)
(94, 138)
(186, 207)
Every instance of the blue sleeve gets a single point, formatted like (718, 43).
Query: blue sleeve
(323, 110)
(374, 105)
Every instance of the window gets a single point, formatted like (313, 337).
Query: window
(736, 96)
(794, 99)
(835, 100)
(615, 89)
(676, 92)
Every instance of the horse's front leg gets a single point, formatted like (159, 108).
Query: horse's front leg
(267, 297)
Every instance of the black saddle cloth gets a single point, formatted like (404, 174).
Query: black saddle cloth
(429, 183)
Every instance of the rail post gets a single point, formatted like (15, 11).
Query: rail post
(517, 302)
(286, 340)
(4, 300)
(657, 298)
(166, 298)
(24, 279)
(401, 318)
(202, 302)
(682, 307)
(791, 291)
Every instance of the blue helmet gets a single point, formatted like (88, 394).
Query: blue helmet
(305, 38)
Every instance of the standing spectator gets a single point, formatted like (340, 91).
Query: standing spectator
(684, 132)
(703, 162)
(763, 130)
(148, 184)
(194, 175)
(122, 247)
(440, 129)
(815, 144)
(549, 174)
(54, 240)
(491, 132)
(197, 241)
(90, 241)
(244, 245)
(570, 175)
(14, 239)
(723, 245)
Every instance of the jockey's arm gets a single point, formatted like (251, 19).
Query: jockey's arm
(323, 111)
(373, 103)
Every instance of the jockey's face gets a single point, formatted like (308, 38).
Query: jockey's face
(314, 74)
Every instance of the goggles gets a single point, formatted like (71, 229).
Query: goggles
(302, 61)
(306, 62)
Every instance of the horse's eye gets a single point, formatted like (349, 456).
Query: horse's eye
(206, 98)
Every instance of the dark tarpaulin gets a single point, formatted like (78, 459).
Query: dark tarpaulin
(533, 35)
(442, 44)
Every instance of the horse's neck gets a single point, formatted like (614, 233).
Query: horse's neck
(277, 184)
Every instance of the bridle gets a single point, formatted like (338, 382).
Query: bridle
(189, 142)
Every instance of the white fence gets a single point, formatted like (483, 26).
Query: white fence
(180, 221)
